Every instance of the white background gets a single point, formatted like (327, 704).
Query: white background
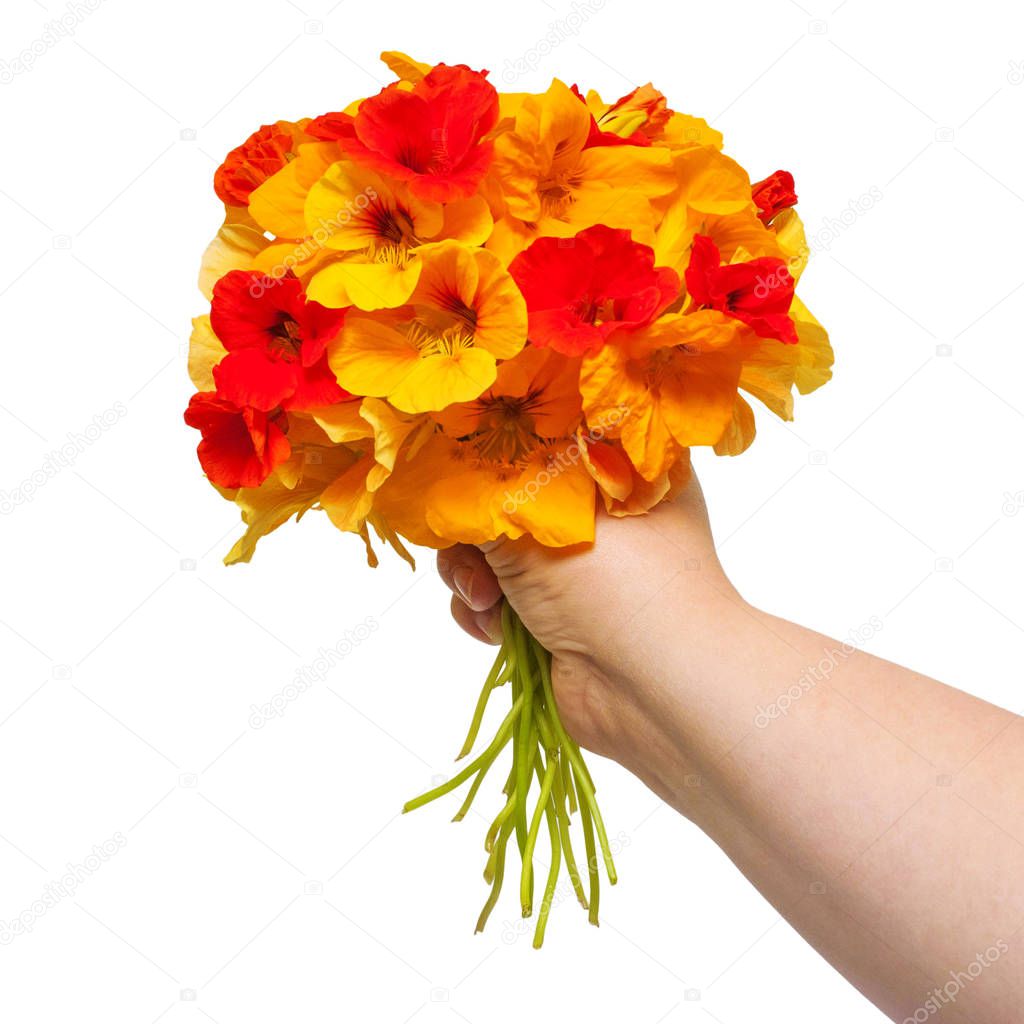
(128, 675)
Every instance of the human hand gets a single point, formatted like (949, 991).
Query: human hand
(602, 610)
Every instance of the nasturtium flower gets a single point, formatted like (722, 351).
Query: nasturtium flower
(504, 464)
(773, 194)
(578, 290)
(431, 136)
(276, 343)
(377, 225)
(442, 347)
(240, 445)
(553, 184)
(264, 153)
(758, 292)
(665, 387)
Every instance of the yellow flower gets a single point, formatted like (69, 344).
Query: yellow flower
(465, 313)
(379, 226)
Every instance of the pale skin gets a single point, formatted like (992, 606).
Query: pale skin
(882, 815)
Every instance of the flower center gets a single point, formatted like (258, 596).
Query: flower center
(392, 226)
(593, 309)
(286, 341)
(447, 342)
(556, 194)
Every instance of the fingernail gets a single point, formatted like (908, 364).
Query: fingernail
(462, 580)
(491, 628)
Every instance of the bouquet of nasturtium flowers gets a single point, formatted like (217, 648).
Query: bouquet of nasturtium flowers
(446, 314)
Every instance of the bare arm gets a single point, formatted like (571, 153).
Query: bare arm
(881, 812)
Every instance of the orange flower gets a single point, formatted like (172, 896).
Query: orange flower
(553, 184)
(504, 464)
(671, 385)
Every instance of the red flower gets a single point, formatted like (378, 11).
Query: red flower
(643, 110)
(578, 290)
(240, 446)
(429, 136)
(758, 292)
(276, 341)
(264, 153)
(773, 194)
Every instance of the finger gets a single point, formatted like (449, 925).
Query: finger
(466, 572)
(479, 625)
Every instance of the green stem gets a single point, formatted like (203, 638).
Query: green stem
(584, 784)
(590, 849)
(562, 818)
(540, 747)
(485, 758)
(475, 786)
(525, 881)
(481, 705)
(499, 875)
(527, 683)
(549, 889)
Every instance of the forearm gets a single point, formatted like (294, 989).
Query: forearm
(862, 799)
